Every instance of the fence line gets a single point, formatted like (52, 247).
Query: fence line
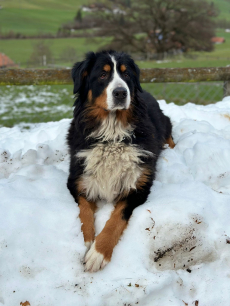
(152, 75)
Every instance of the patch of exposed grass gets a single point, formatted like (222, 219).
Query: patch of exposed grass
(35, 104)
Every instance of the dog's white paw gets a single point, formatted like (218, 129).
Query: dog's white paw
(88, 244)
(94, 260)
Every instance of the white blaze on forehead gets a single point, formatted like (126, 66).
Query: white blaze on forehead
(115, 82)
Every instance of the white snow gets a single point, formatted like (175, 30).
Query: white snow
(29, 100)
(183, 225)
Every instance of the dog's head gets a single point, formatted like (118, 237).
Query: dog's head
(106, 79)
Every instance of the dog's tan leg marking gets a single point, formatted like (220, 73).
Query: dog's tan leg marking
(101, 251)
(86, 215)
(170, 142)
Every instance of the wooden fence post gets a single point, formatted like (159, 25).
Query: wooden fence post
(226, 88)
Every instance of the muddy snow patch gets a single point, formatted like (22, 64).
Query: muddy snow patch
(189, 245)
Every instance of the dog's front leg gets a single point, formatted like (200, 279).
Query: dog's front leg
(101, 251)
(86, 215)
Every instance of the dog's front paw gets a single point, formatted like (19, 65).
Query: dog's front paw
(94, 260)
(88, 244)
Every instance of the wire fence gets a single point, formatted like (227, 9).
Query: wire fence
(180, 85)
(50, 96)
(25, 105)
(180, 93)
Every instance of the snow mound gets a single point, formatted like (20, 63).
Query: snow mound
(176, 249)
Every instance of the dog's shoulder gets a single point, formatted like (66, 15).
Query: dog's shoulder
(161, 123)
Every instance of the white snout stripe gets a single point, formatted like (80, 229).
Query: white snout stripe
(116, 82)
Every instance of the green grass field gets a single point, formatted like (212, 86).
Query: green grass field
(20, 51)
(46, 16)
(33, 16)
(36, 16)
(224, 8)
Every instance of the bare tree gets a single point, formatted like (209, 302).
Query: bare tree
(41, 55)
(159, 25)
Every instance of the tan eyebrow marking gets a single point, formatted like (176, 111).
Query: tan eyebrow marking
(107, 68)
(123, 68)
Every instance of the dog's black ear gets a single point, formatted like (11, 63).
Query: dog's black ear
(81, 71)
(77, 75)
(136, 72)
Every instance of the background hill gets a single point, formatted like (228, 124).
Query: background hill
(46, 16)
(32, 17)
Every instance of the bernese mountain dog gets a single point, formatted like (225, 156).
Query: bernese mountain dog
(117, 133)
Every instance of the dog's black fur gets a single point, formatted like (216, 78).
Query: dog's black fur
(152, 127)
(149, 130)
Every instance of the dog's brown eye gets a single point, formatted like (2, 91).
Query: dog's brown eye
(103, 75)
(126, 75)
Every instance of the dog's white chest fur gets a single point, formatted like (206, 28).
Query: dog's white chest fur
(110, 169)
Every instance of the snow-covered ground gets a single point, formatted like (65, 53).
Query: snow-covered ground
(176, 249)
(28, 104)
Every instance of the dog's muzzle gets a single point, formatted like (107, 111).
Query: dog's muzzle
(120, 95)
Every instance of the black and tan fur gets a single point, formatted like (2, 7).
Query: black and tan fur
(115, 138)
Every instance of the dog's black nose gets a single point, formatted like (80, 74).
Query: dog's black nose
(120, 93)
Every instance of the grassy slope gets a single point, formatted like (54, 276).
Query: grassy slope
(21, 50)
(34, 16)
(224, 8)
(30, 21)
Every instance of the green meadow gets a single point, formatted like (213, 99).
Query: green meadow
(36, 16)
(20, 51)
(46, 16)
